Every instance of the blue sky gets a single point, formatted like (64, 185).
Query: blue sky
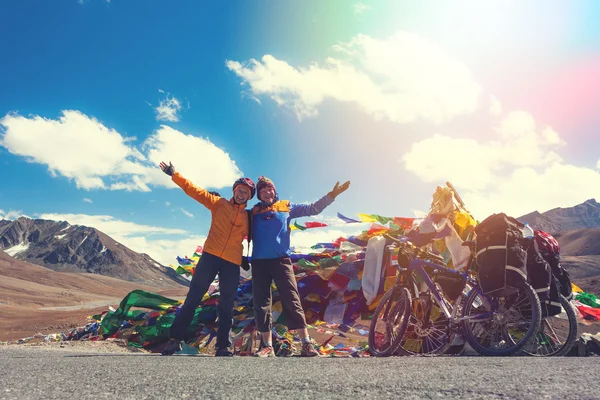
(500, 98)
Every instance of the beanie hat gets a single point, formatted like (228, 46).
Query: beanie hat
(263, 181)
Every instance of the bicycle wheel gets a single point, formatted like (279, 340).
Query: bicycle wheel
(501, 326)
(389, 320)
(422, 337)
(557, 334)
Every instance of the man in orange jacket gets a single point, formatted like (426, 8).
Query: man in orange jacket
(222, 256)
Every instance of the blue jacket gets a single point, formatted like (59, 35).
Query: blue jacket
(271, 226)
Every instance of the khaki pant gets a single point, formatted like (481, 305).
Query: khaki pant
(281, 271)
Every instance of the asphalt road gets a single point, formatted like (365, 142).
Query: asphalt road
(41, 374)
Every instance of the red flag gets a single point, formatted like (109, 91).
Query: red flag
(589, 313)
(314, 224)
(338, 241)
(403, 222)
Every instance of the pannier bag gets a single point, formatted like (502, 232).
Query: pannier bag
(551, 306)
(560, 281)
(541, 280)
(550, 251)
(500, 257)
(451, 286)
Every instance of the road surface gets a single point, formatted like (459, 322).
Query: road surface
(44, 374)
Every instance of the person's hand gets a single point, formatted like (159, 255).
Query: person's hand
(167, 169)
(337, 189)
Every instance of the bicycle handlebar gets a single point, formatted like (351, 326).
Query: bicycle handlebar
(418, 252)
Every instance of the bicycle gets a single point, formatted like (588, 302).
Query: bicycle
(418, 319)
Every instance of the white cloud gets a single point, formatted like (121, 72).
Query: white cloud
(168, 108)
(598, 164)
(83, 149)
(402, 78)
(11, 214)
(76, 146)
(167, 203)
(164, 251)
(137, 237)
(360, 8)
(516, 172)
(186, 212)
(86, 200)
(495, 106)
(210, 166)
(137, 183)
(516, 143)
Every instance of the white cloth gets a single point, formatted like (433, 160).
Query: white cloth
(373, 266)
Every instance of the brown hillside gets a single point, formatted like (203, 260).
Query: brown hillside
(580, 242)
(36, 299)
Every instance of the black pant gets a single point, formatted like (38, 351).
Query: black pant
(281, 271)
(207, 269)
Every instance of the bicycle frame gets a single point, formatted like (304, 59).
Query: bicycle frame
(419, 267)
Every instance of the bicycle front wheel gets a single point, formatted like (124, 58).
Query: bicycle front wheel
(429, 336)
(501, 326)
(389, 321)
(557, 334)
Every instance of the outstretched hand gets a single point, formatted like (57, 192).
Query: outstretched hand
(167, 169)
(339, 189)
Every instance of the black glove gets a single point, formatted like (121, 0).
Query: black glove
(245, 264)
(167, 169)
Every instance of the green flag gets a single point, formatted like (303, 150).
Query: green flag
(382, 220)
(307, 264)
(138, 298)
(299, 227)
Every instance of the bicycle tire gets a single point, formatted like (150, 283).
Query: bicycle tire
(400, 310)
(545, 324)
(516, 347)
(412, 344)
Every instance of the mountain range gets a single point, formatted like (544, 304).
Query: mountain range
(557, 220)
(577, 230)
(62, 247)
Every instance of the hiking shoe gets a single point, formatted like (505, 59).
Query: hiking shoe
(172, 347)
(266, 351)
(223, 352)
(308, 350)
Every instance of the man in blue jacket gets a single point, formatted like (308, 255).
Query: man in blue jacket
(271, 262)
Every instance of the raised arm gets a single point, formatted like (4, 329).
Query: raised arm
(197, 193)
(306, 210)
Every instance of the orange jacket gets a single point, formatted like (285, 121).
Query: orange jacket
(229, 225)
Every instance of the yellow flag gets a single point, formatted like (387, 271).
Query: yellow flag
(367, 218)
